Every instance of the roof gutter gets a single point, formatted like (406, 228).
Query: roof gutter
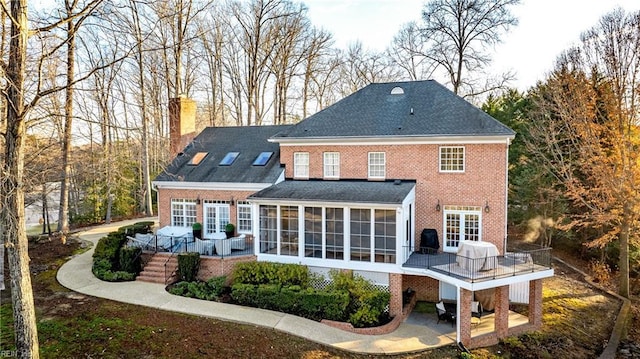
(387, 140)
(221, 186)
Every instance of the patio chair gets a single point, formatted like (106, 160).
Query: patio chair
(238, 242)
(476, 311)
(444, 315)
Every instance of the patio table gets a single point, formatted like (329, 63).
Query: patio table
(474, 255)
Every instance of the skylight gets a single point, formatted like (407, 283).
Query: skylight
(197, 158)
(397, 91)
(262, 158)
(229, 158)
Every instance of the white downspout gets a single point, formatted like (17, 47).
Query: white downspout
(506, 197)
(457, 314)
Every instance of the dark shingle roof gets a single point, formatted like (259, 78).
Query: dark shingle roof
(218, 141)
(346, 191)
(374, 112)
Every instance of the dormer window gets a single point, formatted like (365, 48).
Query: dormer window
(229, 158)
(262, 158)
(197, 158)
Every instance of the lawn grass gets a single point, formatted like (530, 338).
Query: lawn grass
(577, 322)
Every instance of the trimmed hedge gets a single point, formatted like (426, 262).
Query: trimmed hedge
(368, 306)
(285, 288)
(209, 290)
(112, 261)
(271, 273)
(188, 266)
(309, 303)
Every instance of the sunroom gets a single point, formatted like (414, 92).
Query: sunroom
(339, 224)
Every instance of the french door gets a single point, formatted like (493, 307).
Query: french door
(461, 223)
(216, 216)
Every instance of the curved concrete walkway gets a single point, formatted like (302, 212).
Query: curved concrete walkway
(76, 275)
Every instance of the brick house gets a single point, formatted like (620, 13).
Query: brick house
(353, 186)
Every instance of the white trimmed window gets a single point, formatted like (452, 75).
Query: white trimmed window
(377, 165)
(451, 159)
(183, 212)
(332, 164)
(301, 165)
(244, 217)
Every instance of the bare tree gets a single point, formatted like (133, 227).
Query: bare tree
(74, 21)
(362, 67)
(14, 236)
(317, 48)
(409, 52)
(288, 55)
(459, 34)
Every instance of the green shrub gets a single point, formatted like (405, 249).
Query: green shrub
(209, 290)
(318, 304)
(267, 296)
(106, 259)
(368, 305)
(200, 290)
(244, 294)
(217, 285)
(114, 262)
(100, 266)
(180, 288)
(108, 247)
(271, 273)
(130, 259)
(188, 266)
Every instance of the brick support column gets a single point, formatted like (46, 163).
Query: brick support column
(465, 316)
(502, 311)
(535, 303)
(395, 289)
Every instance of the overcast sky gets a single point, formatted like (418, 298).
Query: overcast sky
(546, 28)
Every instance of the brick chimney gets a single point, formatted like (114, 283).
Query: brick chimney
(182, 123)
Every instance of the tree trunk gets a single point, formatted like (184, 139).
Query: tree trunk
(624, 253)
(12, 190)
(63, 217)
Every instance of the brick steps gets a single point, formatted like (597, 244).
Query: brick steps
(154, 270)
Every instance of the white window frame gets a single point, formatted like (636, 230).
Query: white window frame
(377, 165)
(301, 165)
(462, 212)
(183, 212)
(245, 217)
(331, 164)
(448, 158)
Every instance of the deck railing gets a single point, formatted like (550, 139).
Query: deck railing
(221, 248)
(481, 269)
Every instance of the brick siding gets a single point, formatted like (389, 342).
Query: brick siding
(215, 267)
(484, 179)
(165, 195)
(426, 288)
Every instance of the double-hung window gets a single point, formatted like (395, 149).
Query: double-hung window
(451, 159)
(301, 165)
(332, 164)
(376, 165)
(244, 217)
(183, 212)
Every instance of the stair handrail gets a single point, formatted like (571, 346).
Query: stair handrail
(173, 252)
(141, 245)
